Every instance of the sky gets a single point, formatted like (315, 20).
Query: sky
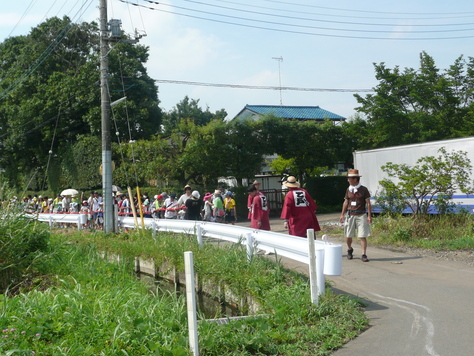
(306, 44)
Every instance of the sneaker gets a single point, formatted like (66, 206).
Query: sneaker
(349, 254)
(364, 258)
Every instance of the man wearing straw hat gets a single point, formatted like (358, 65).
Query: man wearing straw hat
(356, 214)
(299, 210)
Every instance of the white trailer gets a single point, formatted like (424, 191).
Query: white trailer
(369, 162)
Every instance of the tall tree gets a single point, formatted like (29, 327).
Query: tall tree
(49, 93)
(189, 109)
(420, 105)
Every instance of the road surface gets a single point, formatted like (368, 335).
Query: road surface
(416, 305)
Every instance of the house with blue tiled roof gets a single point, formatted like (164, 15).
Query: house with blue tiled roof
(302, 113)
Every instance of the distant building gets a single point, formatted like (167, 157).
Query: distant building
(302, 113)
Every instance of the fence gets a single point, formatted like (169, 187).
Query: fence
(328, 255)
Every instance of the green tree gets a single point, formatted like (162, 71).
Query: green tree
(49, 94)
(189, 109)
(419, 105)
(431, 177)
(243, 150)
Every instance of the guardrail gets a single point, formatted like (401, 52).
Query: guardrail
(323, 258)
(62, 218)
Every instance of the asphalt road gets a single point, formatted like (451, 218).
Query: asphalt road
(416, 305)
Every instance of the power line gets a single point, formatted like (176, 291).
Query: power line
(239, 86)
(294, 31)
(46, 53)
(320, 20)
(300, 26)
(368, 11)
(441, 16)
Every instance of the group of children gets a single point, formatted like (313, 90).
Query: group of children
(217, 206)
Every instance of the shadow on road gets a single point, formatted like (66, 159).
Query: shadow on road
(369, 305)
(395, 259)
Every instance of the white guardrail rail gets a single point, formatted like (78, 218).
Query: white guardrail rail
(326, 257)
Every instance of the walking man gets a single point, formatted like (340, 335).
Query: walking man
(356, 214)
(299, 210)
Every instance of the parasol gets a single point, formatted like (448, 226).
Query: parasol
(69, 192)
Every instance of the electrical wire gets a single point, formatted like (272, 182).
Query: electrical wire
(51, 149)
(128, 123)
(238, 86)
(441, 16)
(327, 21)
(46, 53)
(22, 16)
(367, 11)
(301, 26)
(300, 32)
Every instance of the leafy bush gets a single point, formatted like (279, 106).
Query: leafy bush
(429, 179)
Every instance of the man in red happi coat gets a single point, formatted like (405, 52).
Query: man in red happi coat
(299, 210)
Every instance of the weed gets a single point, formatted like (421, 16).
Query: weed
(95, 305)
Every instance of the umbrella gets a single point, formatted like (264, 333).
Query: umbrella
(116, 188)
(69, 192)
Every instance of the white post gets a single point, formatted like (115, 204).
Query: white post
(50, 221)
(313, 275)
(249, 246)
(153, 228)
(79, 221)
(191, 302)
(320, 271)
(199, 234)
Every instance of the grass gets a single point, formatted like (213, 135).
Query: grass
(434, 232)
(89, 306)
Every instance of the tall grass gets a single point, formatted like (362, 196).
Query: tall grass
(23, 249)
(96, 307)
(438, 232)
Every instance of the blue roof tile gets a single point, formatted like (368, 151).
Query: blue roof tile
(292, 112)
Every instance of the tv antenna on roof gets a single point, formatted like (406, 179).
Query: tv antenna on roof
(279, 59)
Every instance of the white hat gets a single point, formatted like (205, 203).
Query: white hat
(196, 194)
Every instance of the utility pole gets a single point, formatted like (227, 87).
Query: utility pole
(112, 34)
(279, 59)
(105, 122)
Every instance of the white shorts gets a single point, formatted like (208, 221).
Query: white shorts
(356, 222)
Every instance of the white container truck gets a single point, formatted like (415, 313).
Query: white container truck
(369, 163)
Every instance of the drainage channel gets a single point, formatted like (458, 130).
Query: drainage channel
(209, 307)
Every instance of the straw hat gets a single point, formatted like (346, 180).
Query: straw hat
(291, 182)
(353, 173)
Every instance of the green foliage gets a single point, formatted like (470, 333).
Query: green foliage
(49, 98)
(430, 177)
(23, 243)
(306, 145)
(390, 202)
(328, 192)
(436, 232)
(186, 110)
(419, 105)
(282, 166)
(96, 306)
